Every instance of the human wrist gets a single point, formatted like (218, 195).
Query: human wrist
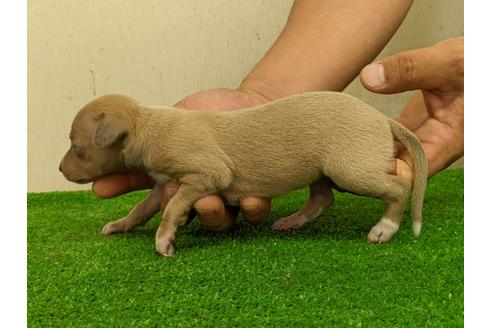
(262, 90)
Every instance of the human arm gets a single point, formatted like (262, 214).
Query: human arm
(324, 45)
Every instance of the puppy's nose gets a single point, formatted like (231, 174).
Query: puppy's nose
(60, 168)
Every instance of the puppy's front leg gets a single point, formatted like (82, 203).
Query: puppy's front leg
(175, 215)
(139, 215)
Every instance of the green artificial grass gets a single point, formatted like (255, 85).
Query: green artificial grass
(324, 274)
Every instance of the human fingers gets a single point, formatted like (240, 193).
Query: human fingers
(439, 66)
(213, 214)
(415, 112)
(443, 144)
(210, 209)
(255, 209)
(121, 183)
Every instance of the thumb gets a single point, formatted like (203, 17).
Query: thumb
(424, 69)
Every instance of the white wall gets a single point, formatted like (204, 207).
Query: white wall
(160, 51)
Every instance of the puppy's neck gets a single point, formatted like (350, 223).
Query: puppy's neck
(149, 132)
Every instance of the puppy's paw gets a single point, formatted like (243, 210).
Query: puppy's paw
(291, 222)
(165, 249)
(164, 246)
(118, 226)
(383, 231)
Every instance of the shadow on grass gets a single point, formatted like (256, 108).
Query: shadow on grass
(336, 223)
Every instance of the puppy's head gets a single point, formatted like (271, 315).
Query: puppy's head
(98, 136)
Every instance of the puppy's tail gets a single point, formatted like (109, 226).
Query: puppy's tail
(419, 164)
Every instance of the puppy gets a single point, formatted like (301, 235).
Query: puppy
(319, 139)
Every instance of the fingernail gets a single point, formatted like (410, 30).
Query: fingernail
(373, 75)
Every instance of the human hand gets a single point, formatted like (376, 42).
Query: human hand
(435, 113)
(211, 209)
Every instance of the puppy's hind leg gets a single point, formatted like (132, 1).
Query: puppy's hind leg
(139, 215)
(396, 198)
(320, 198)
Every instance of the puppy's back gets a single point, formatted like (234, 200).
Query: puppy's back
(299, 122)
(289, 140)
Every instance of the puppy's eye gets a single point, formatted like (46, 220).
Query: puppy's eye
(77, 149)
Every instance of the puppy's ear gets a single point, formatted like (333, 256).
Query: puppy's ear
(110, 129)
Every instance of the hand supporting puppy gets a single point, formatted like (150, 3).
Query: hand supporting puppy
(435, 113)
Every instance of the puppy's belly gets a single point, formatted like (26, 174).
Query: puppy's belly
(266, 187)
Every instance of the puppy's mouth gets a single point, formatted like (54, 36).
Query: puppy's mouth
(78, 178)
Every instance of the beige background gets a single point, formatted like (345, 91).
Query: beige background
(159, 51)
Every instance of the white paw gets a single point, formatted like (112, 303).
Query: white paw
(164, 246)
(291, 222)
(383, 231)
